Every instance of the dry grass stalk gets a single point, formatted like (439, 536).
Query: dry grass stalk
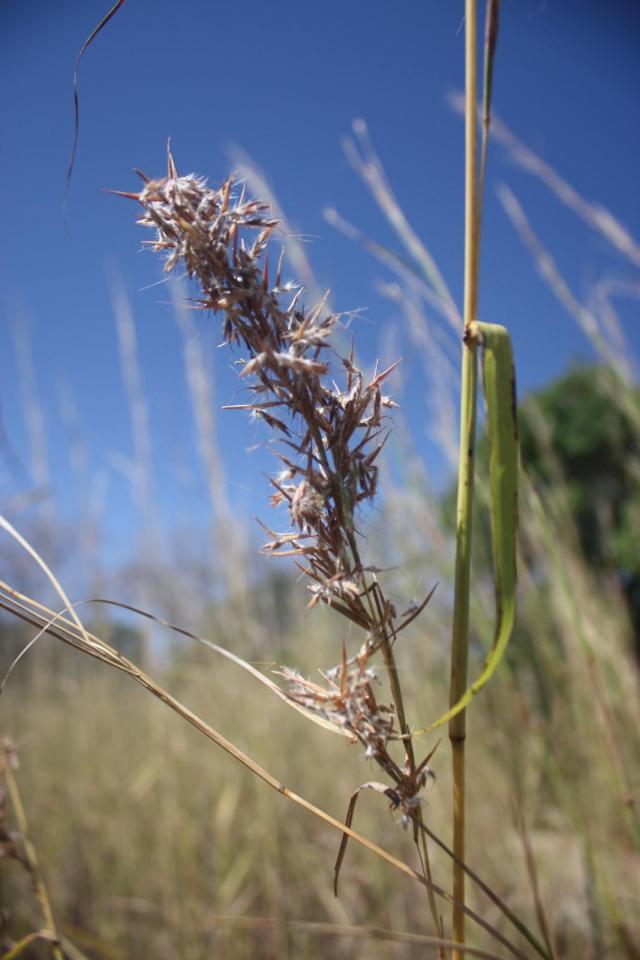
(19, 846)
(596, 217)
(365, 161)
(231, 569)
(136, 396)
(34, 415)
(294, 243)
(548, 270)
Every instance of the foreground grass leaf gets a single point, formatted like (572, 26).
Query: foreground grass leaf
(500, 397)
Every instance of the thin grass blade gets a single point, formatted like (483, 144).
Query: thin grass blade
(76, 103)
(372, 785)
(490, 44)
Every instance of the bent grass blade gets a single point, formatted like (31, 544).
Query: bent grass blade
(500, 397)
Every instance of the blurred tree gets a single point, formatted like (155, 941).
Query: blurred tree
(581, 434)
(583, 429)
(580, 440)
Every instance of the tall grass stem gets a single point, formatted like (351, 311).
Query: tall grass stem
(464, 517)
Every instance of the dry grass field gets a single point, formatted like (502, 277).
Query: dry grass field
(154, 842)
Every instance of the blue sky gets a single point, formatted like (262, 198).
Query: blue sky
(283, 82)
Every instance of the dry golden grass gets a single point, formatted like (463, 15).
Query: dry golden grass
(152, 840)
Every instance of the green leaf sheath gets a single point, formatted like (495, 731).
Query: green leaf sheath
(500, 397)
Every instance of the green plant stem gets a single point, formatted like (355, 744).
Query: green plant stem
(464, 514)
(460, 633)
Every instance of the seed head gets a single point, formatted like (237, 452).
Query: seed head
(348, 701)
(332, 434)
